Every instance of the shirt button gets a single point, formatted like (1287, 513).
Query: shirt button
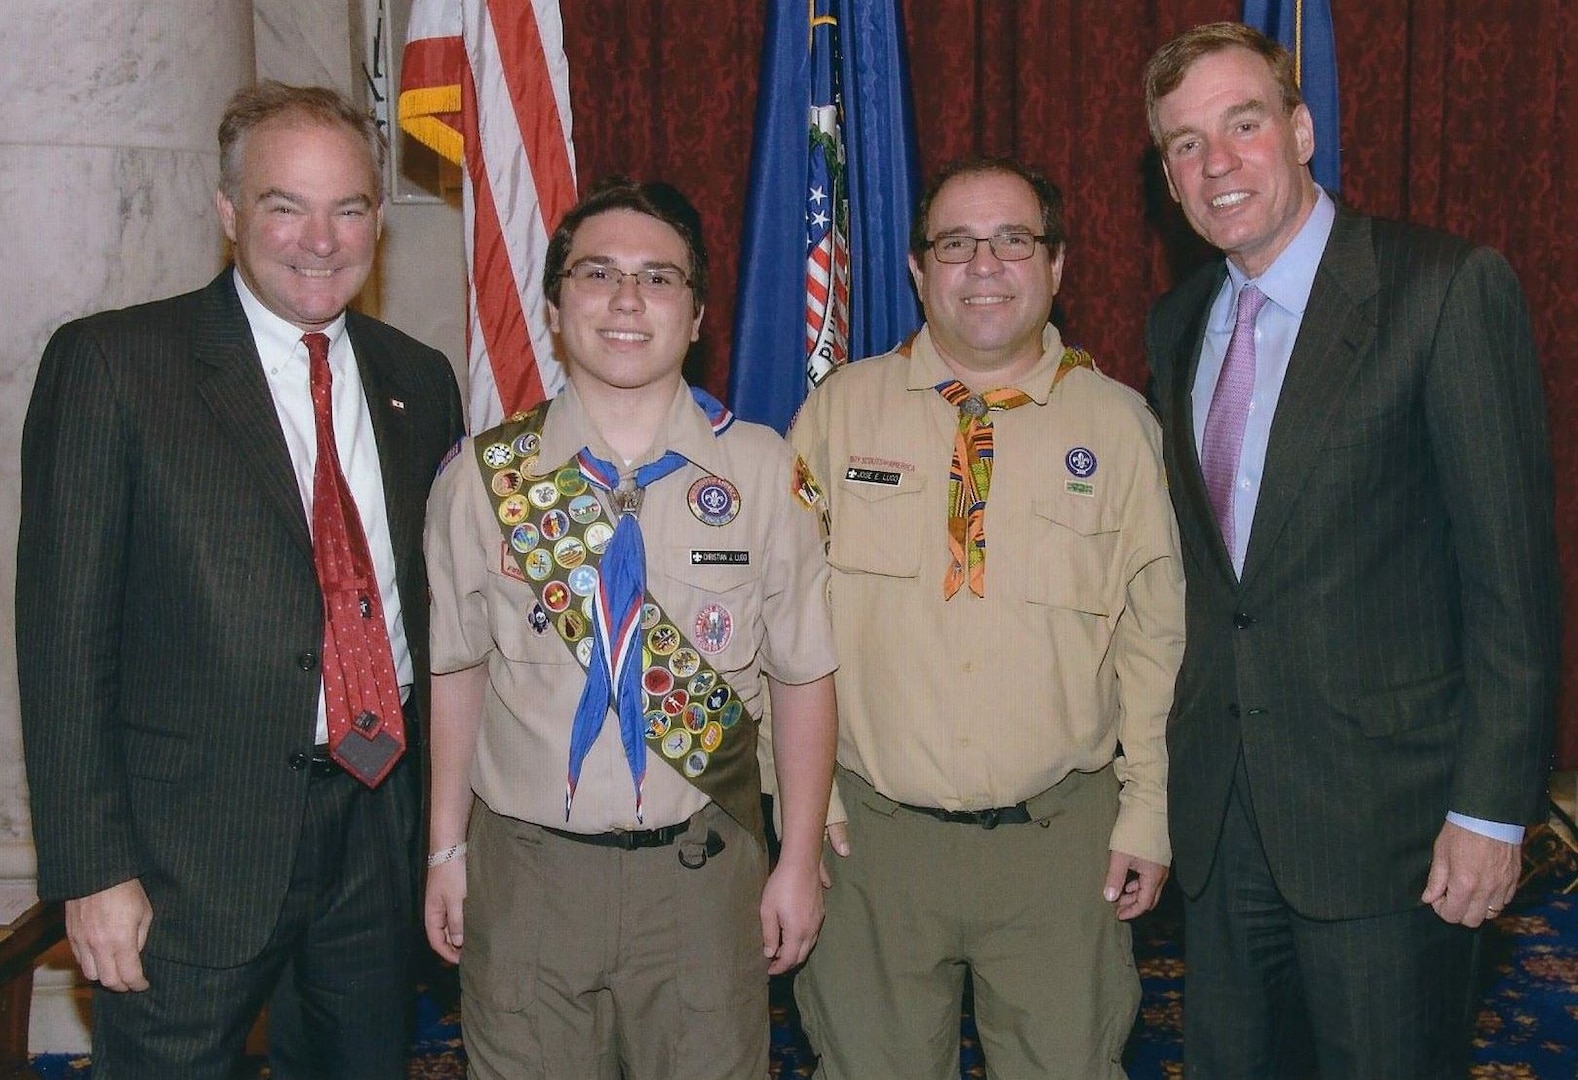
(298, 761)
(969, 665)
(308, 660)
(1243, 621)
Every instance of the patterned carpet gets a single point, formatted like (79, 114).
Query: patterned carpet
(1527, 1029)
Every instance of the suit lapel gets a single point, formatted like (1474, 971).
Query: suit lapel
(1190, 478)
(231, 382)
(1336, 332)
(389, 404)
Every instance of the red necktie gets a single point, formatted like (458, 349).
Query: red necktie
(360, 689)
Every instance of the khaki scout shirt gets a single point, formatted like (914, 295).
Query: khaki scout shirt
(774, 595)
(979, 702)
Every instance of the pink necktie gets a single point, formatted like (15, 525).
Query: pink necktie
(1224, 424)
(361, 692)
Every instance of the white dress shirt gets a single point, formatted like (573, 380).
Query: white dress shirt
(285, 365)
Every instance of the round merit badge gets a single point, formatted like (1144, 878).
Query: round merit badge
(523, 537)
(569, 481)
(555, 596)
(714, 628)
(714, 500)
(598, 533)
(657, 724)
(572, 626)
(512, 511)
(506, 482)
(583, 651)
(685, 663)
(676, 743)
(696, 763)
(695, 717)
(663, 639)
(583, 580)
(543, 494)
(526, 443)
(498, 455)
(539, 563)
(657, 681)
(569, 552)
(711, 736)
(555, 524)
(585, 508)
(701, 683)
(1081, 462)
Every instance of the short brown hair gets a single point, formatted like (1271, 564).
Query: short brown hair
(1171, 63)
(270, 100)
(653, 198)
(1047, 195)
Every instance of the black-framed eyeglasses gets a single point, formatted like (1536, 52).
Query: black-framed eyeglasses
(1012, 246)
(650, 280)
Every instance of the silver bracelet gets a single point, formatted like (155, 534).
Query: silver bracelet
(439, 858)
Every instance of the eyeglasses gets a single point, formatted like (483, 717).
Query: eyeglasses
(1008, 246)
(655, 281)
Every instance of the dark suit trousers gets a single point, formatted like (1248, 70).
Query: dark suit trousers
(345, 931)
(1271, 995)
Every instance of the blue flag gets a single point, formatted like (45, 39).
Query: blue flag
(1304, 28)
(823, 273)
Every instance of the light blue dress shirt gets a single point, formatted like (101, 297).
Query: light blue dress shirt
(1287, 283)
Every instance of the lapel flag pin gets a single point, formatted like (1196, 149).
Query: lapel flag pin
(397, 403)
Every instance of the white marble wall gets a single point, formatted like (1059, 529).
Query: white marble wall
(107, 171)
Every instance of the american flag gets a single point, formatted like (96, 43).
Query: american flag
(826, 217)
(827, 250)
(489, 87)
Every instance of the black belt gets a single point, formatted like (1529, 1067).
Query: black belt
(1018, 814)
(625, 839)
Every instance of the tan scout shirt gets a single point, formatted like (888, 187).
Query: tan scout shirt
(980, 702)
(775, 598)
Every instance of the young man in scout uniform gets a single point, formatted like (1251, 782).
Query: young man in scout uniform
(1003, 630)
(617, 574)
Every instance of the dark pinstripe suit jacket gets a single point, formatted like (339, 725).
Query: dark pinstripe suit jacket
(1391, 650)
(168, 613)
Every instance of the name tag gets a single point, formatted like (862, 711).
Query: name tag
(719, 558)
(873, 476)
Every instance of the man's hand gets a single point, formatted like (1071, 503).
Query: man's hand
(107, 931)
(1133, 883)
(838, 839)
(443, 908)
(1472, 877)
(791, 916)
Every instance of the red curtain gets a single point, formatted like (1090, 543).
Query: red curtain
(1461, 114)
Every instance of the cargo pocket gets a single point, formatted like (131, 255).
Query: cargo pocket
(498, 965)
(720, 948)
(720, 606)
(879, 529)
(1073, 544)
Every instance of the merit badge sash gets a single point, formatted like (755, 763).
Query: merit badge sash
(557, 528)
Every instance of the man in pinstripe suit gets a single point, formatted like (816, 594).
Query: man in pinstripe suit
(171, 627)
(1362, 721)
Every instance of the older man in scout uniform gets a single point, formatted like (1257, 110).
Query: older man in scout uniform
(1009, 639)
(613, 575)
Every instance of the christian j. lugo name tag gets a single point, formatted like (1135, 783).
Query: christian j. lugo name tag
(713, 557)
(883, 477)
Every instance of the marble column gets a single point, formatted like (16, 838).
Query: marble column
(108, 165)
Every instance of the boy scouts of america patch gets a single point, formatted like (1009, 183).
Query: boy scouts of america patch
(714, 500)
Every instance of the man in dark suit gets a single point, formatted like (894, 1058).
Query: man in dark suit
(222, 752)
(1359, 464)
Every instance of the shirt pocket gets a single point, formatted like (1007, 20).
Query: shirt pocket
(716, 606)
(1074, 541)
(879, 529)
(522, 638)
